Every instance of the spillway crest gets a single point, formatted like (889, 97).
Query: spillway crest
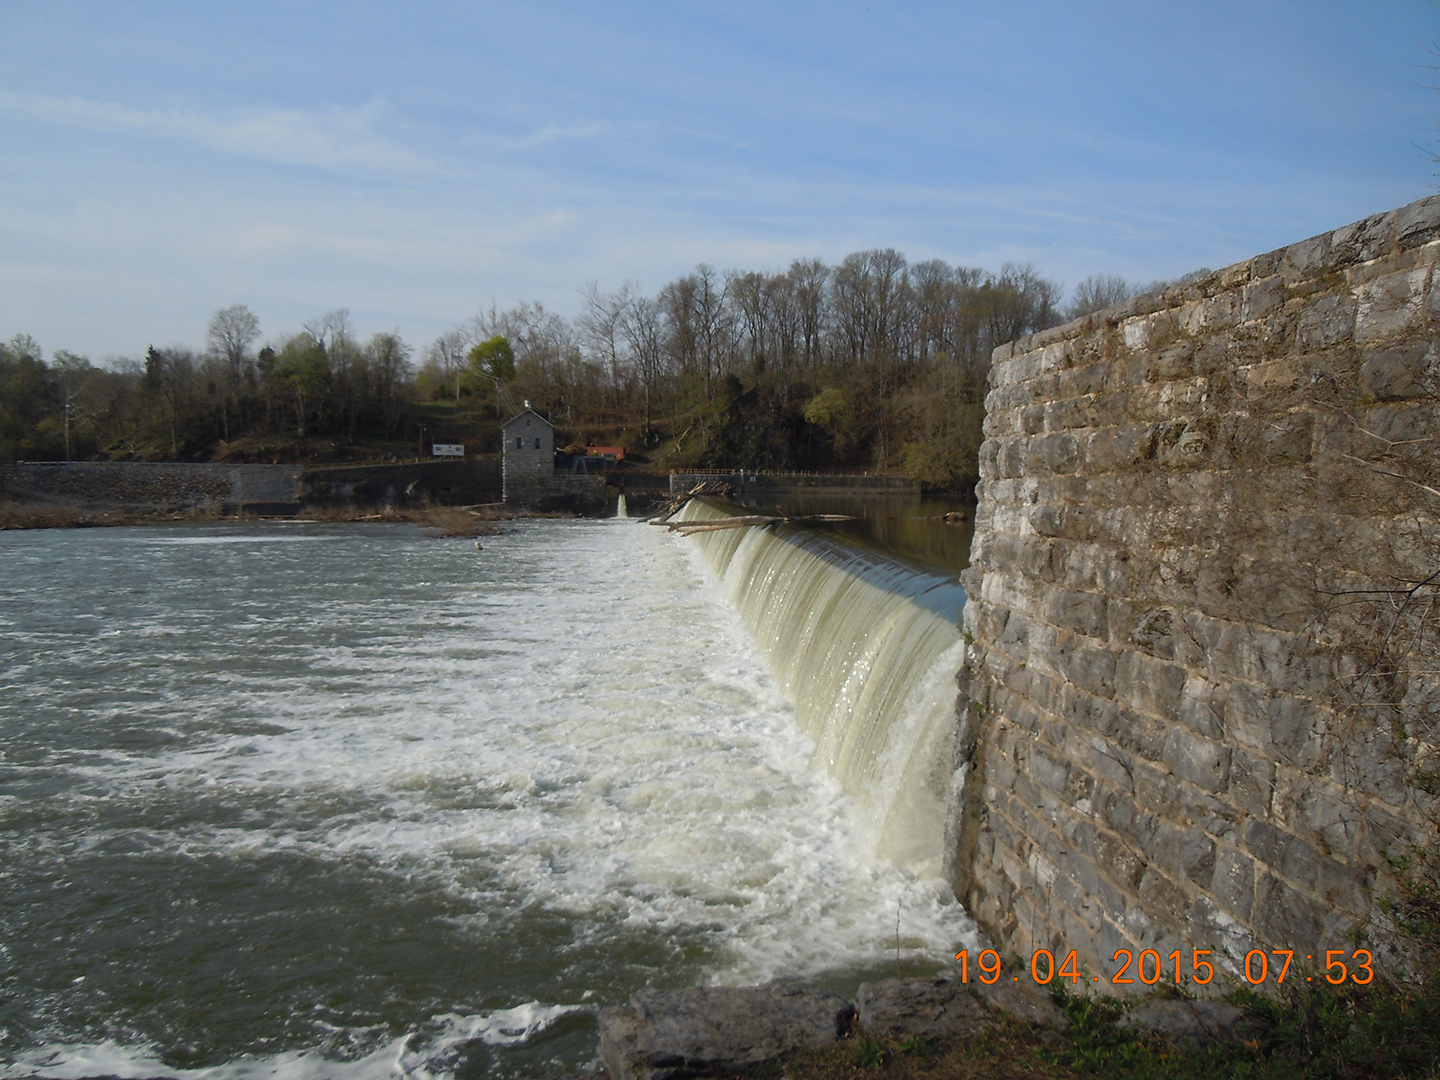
(867, 649)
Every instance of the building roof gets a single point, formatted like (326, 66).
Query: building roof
(527, 411)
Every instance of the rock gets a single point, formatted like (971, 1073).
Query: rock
(671, 1033)
(1192, 1023)
(898, 1007)
(1024, 1001)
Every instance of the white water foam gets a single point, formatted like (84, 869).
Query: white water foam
(868, 650)
(412, 1057)
(582, 727)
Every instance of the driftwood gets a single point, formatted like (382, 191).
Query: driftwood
(716, 489)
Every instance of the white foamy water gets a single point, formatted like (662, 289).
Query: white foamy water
(382, 805)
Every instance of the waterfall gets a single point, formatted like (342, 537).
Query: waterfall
(867, 649)
(620, 511)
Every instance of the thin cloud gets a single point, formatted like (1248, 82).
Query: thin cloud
(338, 138)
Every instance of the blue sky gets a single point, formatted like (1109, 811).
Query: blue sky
(415, 162)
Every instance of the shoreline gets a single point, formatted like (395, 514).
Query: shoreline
(463, 521)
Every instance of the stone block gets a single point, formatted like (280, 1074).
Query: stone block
(1204, 762)
(1109, 449)
(1153, 631)
(1057, 453)
(1103, 759)
(1082, 381)
(940, 1008)
(1252, 782)
(1232, 882)
(1366, 239)
(1121, 863)
(1282, 852)
(1327, 321)
(1091, 668)
(661, 1034)
(1164, 900)
(1418, 223)
(1398, 372)
(1278, 726)
(1202, 707)
(1390, 305)
(1228, 938)
(1149, 685)
(1308, 258)
(1286, 918)
(1080, 612)
(1047, 768)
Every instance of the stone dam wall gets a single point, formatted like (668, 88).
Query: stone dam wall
(258, 489)
(1201, 702)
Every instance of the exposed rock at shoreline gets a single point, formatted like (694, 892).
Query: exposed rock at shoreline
(661, 1034)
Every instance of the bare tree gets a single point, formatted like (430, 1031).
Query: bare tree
(601, 328)
(231, 332)
(73, 373)
(1097, 292)
(641, 326)
(450, 354)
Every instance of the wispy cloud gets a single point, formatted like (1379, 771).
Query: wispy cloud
(334, 139)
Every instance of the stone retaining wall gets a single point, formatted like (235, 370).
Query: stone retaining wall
(560, 492)
(277, 489)
(1203, 690)
(155, 485)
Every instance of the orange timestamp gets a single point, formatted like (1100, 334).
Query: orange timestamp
(1149, 967)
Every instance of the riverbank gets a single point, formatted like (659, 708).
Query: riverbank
(1377, 1032)
(479, 520)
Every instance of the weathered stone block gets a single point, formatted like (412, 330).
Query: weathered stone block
(1399, 372)
(1149, 684)
(1285, 917)
(1252, 782)
(1282, 852)
(1418, 223)
(1047, 768)
(1164, 900)
(661, 1034)
(1390, 306)
(1080, 612)
(1204, 762)
(938, 1007)
(1232, 882)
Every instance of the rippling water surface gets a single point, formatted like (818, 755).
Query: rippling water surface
(314, 800)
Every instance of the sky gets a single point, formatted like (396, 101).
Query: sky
(416, 162)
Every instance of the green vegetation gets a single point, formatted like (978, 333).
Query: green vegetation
(873, 364)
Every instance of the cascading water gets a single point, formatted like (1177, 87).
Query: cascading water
(868, 650)
(620, 508)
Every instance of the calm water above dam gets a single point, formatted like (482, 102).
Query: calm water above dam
(315, 800)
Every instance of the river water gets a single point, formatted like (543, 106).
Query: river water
(307, 800)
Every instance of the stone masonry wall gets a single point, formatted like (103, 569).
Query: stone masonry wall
(1202, 691)
(154, 485)
(559, 492)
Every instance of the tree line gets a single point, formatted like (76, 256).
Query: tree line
(871, 363)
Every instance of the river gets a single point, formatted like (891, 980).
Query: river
(307, 800)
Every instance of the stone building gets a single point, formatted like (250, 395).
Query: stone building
(529, 450)
(530, 481)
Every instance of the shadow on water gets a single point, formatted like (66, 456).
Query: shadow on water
(909, 527)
